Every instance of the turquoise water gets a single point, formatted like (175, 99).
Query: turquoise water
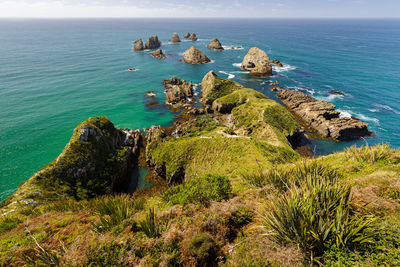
(56, 73)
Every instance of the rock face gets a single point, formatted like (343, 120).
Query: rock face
(153, 43)
(158, 54)
(277, 63)
(175, 38)
(155, 133)
(187, 35)
(178, 91)
(323, 116)
(195, 56)
(257, 62)
(193, 37)
(138, 45)
(215, 44)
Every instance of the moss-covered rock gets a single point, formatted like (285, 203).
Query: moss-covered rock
(92, 162)
(226, 103)
(213, 87)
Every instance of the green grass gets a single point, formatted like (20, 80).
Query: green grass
(201, 190)
(152, 225)
(369, 154)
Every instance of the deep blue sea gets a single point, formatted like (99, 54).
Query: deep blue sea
(56, 73)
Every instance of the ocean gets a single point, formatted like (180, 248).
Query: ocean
(56, 73)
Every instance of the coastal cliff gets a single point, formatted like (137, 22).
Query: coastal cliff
(228, 188)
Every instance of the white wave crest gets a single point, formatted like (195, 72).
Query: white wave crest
(237, 64)
(233, 47)
(348, 113)
(302, 89)
(230, 75)
(385, 107)
(286, 67)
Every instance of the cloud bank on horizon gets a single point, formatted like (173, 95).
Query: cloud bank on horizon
(202, 8)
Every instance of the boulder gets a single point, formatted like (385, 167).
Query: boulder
(178, 91)
(138, 45)
(193, 37)
(257, 62)
(215, 44)
(335, 92)
(152, 43)
(277, 63)
(187, 35)
(151, 94)
(194, 56)
(175, 38)
(158, 54)
(323, 117)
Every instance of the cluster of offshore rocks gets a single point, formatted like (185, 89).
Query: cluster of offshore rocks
(318, 116)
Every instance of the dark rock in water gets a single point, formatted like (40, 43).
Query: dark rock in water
(158, 54)
(276, 88)
(195, 56)
(257, 62)
(151, 94)
(180, 60)
(187, 35)
(277, 63)
(152, 104)
(138, 45)
(131, 69)
(193, 37)
(323, 116)
(178, 92)
(334, 92)
(175, 38)
(215, 44)
(153, 43)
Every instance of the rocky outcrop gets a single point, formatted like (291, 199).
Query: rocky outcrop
(323, 116)
(277, 63)
(193, 37)
(213, 87)
(158, 54)
(257, 62)
(152, 43)
(155, 134)
(215, 44)
(194, 56)
(187, 35)
(175, 38)
(178, 91)
(138, 45)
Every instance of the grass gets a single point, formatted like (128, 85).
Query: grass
(113, 210)
(369, 154)
(201, 191)
(152, 225)
(316, 214)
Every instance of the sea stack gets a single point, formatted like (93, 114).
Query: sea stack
(193, 37)
(158, 54)
(215, 44)
(257, 62)
(195, 56)
(138, 45)
(187, 35)
(153, 43)
(175, 38)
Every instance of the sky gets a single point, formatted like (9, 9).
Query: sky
(200, 8)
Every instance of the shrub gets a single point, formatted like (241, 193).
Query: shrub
(152, 225)
(115, 209)
(369, 154)
(204, 249)
(317, 214)
(201, 190)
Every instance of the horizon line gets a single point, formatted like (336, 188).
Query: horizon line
(199, 17)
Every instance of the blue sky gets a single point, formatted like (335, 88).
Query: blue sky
(202, 8)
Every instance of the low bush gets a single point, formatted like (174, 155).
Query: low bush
(204, 249)
(317, 214)
(201, 190)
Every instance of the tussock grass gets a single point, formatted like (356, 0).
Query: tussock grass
(152, 225)
(369, 154)
(316, 213)
(113, 210)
